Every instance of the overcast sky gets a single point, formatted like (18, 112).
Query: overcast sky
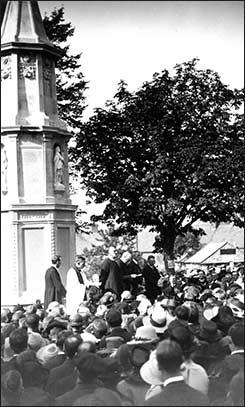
(131, 40)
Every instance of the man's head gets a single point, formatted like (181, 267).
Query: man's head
(236, 333)
(32, 322)
(71, 345)
(151, 260)
(18, 340)
(56, 260)
(126, 257)
(169, 357)
(80, 261)
(112, 252)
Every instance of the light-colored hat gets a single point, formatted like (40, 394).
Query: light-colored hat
(211, 312)
(144, 334)
(8, 352)
(150, 372)
(88, 337)
(143, 306)
(52, 305)
(36, 341)
(126, 295)
(45, 353)
(101, 310)
(158, 319)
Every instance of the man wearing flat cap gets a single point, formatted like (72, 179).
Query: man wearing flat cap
(76, 285)
(54, 289)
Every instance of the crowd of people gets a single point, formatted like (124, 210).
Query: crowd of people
(131, 336)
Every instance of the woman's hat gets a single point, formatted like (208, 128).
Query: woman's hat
(88, 337)
(211, 312)
(47, 352)
(158, 319)
(209, 331)
(150, 372)
(144, 334)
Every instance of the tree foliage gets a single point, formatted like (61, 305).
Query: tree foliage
(167, 154)
(70, 82)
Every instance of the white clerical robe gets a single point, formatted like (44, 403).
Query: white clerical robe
(75, 291)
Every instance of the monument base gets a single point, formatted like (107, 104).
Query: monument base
(30, 237)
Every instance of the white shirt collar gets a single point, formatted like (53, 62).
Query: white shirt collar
(237, 351)
(172, 380)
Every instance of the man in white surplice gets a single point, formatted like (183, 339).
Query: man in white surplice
(76, 285)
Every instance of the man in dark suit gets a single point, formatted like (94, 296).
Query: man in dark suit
(175, 392)
(151, 276)
(54, 289)
(110, 276)
(63, 378)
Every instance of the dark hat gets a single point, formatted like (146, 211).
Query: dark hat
(114, 317)
(209, 331)
(76, 320)
(56, 323)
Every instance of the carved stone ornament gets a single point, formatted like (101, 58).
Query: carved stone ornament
(6, 68)
(27, 66)
(47, 69)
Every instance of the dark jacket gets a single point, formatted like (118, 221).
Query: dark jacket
(62, 378)
(55, 361)
(231, 365)
(111, 277)
(178, 394)
(151, 276)
(69, 397)
(54, 289)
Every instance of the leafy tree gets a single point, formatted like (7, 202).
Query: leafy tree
(189, 243)
(70, 82)
(166, 155)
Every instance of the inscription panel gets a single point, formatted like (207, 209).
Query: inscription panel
(32, 173)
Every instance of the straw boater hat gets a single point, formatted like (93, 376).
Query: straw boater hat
(144, 334)
(158, 319)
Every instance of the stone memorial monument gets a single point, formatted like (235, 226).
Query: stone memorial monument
(37, 217)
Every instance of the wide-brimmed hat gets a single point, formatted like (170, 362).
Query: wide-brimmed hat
(126, 296)
(88, 337)
(150, 372)
(236, 306)
(144, 334)
(52, 305)
(47, 352)
(210, 312)
(209, 331)
(158, 319)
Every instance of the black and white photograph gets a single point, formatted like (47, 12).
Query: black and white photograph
(122, 203)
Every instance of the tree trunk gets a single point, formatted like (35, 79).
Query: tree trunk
(168, 253)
